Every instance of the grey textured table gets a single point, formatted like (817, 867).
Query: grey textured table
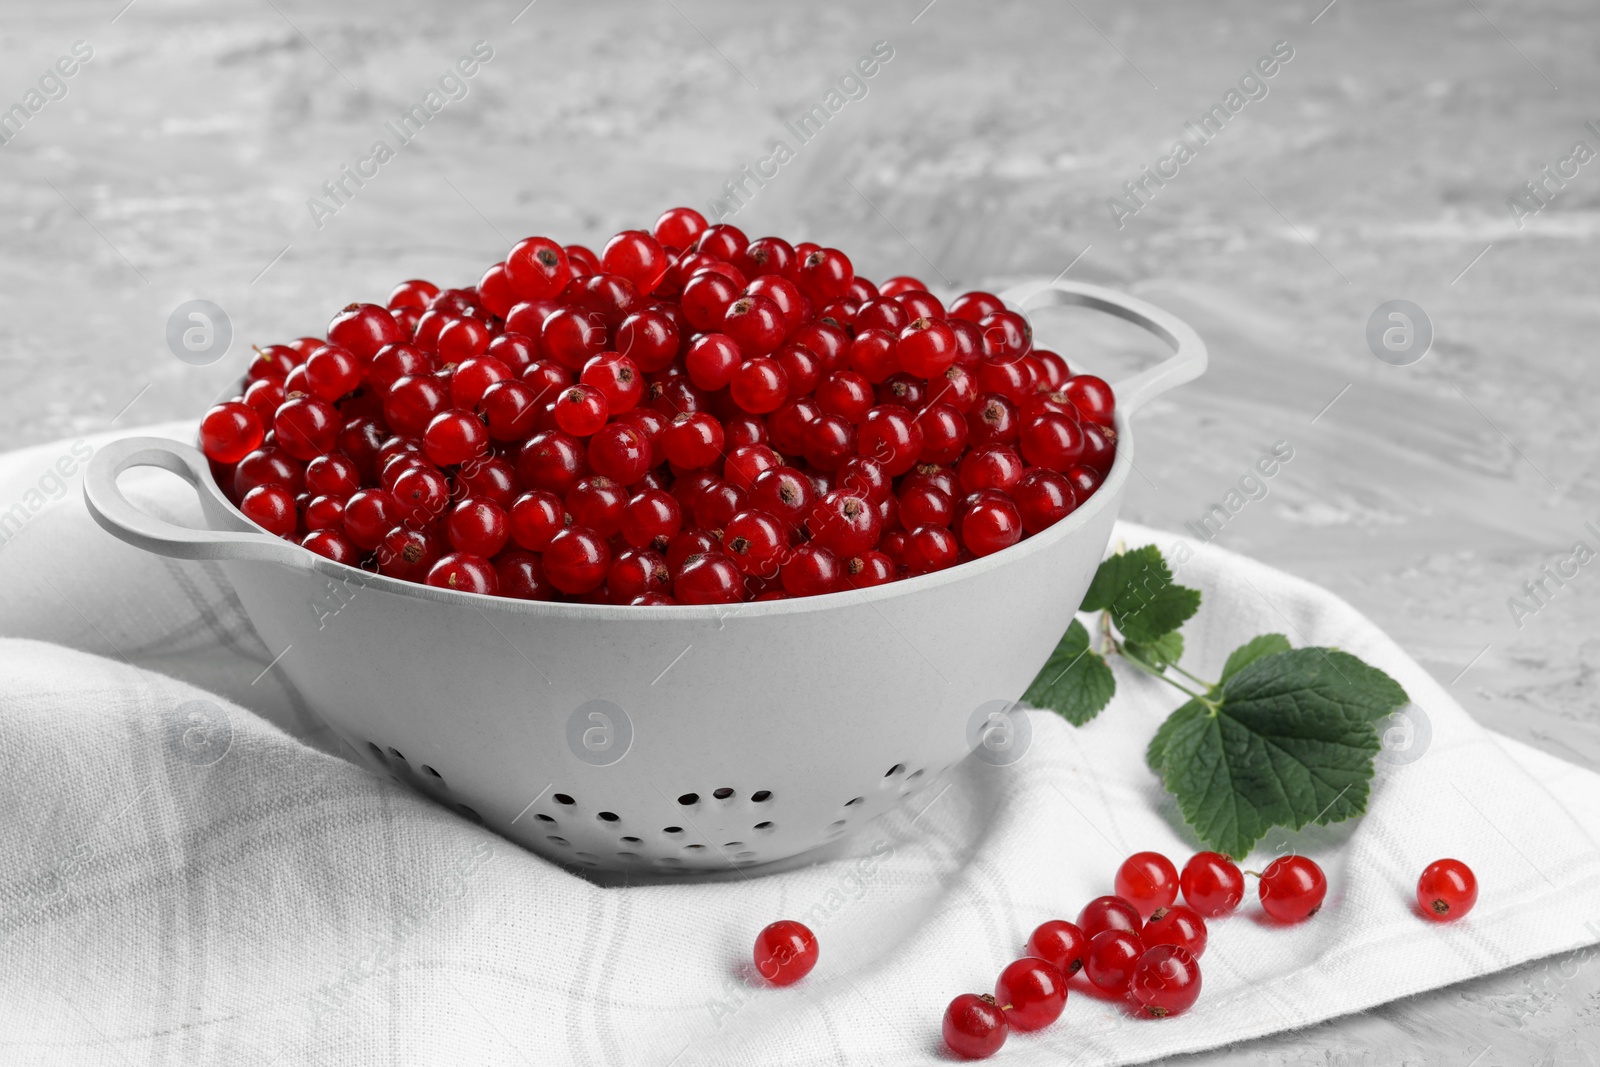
(1378, 165)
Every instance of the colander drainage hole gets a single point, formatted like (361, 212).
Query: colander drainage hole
(544, 818)
(378, 752)
(914, 775)
(734, 844)
(898, 768)
(761, 796)
(608, 816)
(689, 798)
(630, 841)
(554, 840)
(431, 773)
(836, 825)
(764, 827)
(853, 801)
(723, 794)
(672, 829)
(562, 798)
(694, 848)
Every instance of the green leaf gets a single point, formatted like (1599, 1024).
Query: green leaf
(1168, 648)
(1290, 742)
(1137, 588)
(1075, 682)
(1156, 754)
(1252, 650)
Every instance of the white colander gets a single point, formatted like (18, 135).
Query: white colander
(692, 738)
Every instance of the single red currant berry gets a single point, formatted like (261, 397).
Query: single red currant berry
(759, 386)
(306, 427)
(651, 519)
(783, 492)
(581, 410)
(465, 573)
(649, 338)
(709, 578)
(811, 570)
(723, 242)
(706, 298)
(455, 436)
(535, 518)
(883, 314)
(711, 360)
(867, 477)
(755, 541)
(802, 368)
(368, 515)
(462, 340)
(874, 355)
(597, 504)
(638, 257)
(273, 363)
(412, 403)
(576, 560)
(1166, 981)
(491, 479)
(1100, 447)
(756, 323)
(618, 379)
(472, 377)
(1092, 397)
(231, 431)
(829, 442)
(924, 505)
(771, 256)
(694, 439)
(904, 390)
(1052, 441)
(394, 362)
(786, 427)
(332, 476)
(324, 513)
(363, 329)
(890, 435)
(869, 569)
(747, 462)
(264, 397)
(572, 337)
(521, 576)
(620, 452)
(688, 545)
(331, 372)
(845, 523)
(1446, 891)
(527, 318)
(511, 409)
(974, 1026)
(927, 347)
(1032, 991)
(930, 548)
(333, 545)
(1292, 889)
(1111, 959)
(846, 394)
(992, 467)
(422, 493)
(1084, 480)
(680, 227)
(920, 304)
(1053, 369)
(716, 504)
(957, 387)
(478, 527)
(944, 433)
(1212, 884)
(1043, 498)
(1147, 880)
(785, 952)
(976, 306)
(828, 342)
(991, 525)
(494, 291)
(1060, 942)
(825, 275)
(992, 421)
(551, 460)
(537, 268)
(408, 554)
(1176, 925)
(582, 260)
(1007, 336)
(1108, 913)
(635, 572)
(901, 283)
(271, 507)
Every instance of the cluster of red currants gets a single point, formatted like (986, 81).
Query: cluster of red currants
(690, 417)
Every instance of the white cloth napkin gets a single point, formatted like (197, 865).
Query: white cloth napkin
(184, 885)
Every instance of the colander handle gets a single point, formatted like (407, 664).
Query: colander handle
(1188, 359)
(120, 518)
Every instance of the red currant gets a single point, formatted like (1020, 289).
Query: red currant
(230, 431)
(1446, 891)
(551, 460)
(1166, 981)
(408, 554)
(521, 576)
(478, 527)
(1092, 397)
(930, 548)
(368, 515)
(991, 525)
(1007, 337)
(771, 256)
(412, 403)
(845, 523)
(927, 347)
(1060, 942)
(759, 386)
(576, 560)
(891, 435)
(1043, 498)
(638, 257)
(636, 572)
(785, 493)
(1292, 889)
(874, 355)
(272, 508)
(1212, 884)
(1108, 913)
(723, 242)
(1032, 991)
(306, 427)
(535, 518)
(706, 298)
(511, 409)
(974, 1026)
(650, 338)
(597, 503)
(869, 569)
(572, 337)
(455, 436)
(709, 578)
(756, 323)
(394, 362)
(785, 952)
(1111, 959)
(462, 340)
(692, 440)
(465, 573)
(755, 542)
(333, 545)
(537, 268)
(651, 519)
(363, 329)
(331, 372)
(680, 227)
(976, 306)
(472, 377)
(825, 274)
(581, 410)
(415, 293)
(1147, 880)
(1176, 925)
(811, 571)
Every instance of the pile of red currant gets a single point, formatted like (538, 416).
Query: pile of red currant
(690, 417)
(1143, 948)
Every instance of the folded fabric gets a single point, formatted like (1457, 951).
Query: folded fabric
(190, 873)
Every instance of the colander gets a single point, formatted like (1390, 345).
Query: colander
(683, 738)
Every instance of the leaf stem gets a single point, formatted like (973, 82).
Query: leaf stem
(1154, 673)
